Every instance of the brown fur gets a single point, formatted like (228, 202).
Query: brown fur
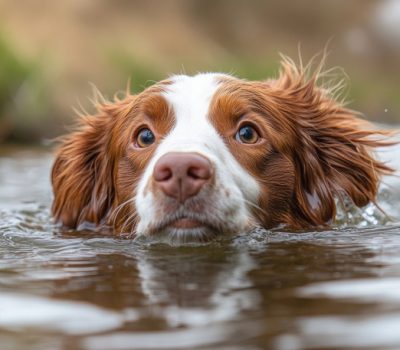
(312, 146)
(96, 168)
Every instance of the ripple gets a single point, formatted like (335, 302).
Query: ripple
(106, 292)
(178, 339)
(19, 312)
(379, 332)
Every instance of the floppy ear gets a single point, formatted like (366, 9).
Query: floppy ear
(84, 168)
(330, 146)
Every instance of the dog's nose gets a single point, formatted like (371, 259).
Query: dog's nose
(181, 175)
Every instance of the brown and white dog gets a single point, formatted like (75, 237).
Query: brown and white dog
(192, 157)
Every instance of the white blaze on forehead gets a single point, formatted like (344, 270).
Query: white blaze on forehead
(190, 99)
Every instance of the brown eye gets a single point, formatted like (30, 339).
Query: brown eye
(145, 138)
(247, 134)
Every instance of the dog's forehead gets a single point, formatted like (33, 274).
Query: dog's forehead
(190, 96)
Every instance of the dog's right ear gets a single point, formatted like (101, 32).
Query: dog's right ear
(83, 171)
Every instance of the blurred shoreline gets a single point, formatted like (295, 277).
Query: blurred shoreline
(51, 51)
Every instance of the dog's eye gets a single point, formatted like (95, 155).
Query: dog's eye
(247, 134)
(145, 138)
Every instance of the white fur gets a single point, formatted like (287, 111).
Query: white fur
(190, 99)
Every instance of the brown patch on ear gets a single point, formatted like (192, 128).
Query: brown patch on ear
(330, 146)
(84, 169)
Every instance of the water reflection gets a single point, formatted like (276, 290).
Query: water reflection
(208, 286)
(283, 290)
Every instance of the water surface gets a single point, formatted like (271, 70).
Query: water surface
(337, 289)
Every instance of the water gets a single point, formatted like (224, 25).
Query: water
(335, 289)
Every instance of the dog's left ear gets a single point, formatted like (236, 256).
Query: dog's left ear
(330, 146)
(85, 165)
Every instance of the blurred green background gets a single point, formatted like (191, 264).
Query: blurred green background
(51, 50)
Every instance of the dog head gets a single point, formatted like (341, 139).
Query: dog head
(194, 157)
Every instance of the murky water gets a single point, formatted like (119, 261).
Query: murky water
(336, 289)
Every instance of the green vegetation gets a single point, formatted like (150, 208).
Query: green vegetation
(23, 106)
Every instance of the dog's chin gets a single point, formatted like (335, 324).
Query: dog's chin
(198, 234)
(184, 230)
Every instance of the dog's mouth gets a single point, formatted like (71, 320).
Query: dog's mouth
(186, 223)
(185, 227)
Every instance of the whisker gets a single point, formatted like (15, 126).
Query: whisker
(255, 206)
(116, 211)
(130, 218)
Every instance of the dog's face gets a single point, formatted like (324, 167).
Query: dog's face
(194, 184)
(193, 157)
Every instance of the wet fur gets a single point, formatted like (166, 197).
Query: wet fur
(318, 150)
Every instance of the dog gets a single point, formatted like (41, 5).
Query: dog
(195, 157)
